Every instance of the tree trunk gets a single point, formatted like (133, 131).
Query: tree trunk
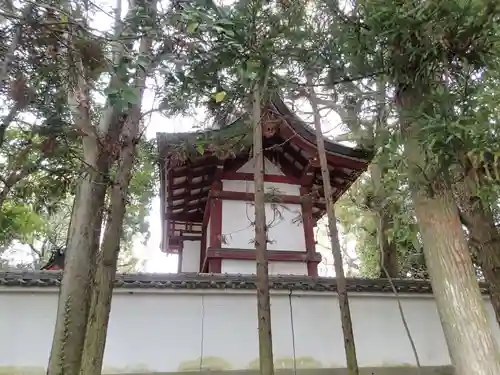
(75, 292)
(345, 313)
(483, 234)
(95, 339)
(489, 255)
(389, 267)
(83, 245)
(472, 347)
(388, 250)
(263, 297)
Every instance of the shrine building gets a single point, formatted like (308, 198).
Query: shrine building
(207, 196)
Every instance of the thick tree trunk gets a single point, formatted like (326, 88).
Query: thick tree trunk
(83, 245)
(263, 297)
(75, 292)
(484, 236)
(471, 344)
(95, 340)
(345, 313)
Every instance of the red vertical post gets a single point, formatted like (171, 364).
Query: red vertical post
(215, 265)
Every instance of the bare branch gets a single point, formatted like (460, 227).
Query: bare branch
(34, 250)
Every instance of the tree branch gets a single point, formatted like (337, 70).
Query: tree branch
(9, 56)
(34, 250)
(7, 121)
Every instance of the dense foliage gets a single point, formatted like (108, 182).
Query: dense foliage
(41, 159)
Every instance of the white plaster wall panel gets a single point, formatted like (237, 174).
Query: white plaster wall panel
(424, 328)
(318, 317)
(225, 337)
(285, 232)
(269, 168)
(191, 256)
(249, 267)
(234, 266)
(27, 326)
(156, 331)
(230, 328)
(377, 344)
(380, 337)
(152, 331)
(248, 187)
(281, 324)
(287, 268)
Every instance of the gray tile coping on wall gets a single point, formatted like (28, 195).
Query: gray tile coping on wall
(226, 281)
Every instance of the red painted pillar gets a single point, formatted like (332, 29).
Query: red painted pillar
(215, 265)
(203, 247)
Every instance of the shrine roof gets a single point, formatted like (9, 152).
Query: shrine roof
(189, 161)
(46, 279)
(188, 141)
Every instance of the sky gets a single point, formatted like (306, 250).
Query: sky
(155, 260)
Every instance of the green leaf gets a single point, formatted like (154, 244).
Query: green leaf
(143, 61)
(110, 91)
(224, 30)
(192, 27)
(415, 242)
(130, 96)
(220, 96)
(200, 148)
(253, 65)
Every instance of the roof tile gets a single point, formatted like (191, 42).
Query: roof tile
(226, 281)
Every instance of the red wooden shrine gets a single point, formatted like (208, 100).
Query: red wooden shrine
(192, 190)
